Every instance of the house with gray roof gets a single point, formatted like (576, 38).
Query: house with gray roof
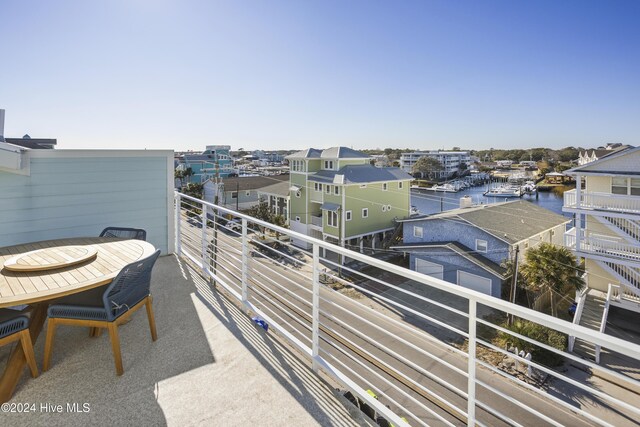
(277, 196)
(467, 246)
(337, 195)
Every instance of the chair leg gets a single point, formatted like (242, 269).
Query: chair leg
(27, 348)
(115, 345)
(48, 346)
(152, 320)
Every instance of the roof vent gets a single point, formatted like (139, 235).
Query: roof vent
(466, 202)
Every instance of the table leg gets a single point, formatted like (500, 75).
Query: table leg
(17, 361)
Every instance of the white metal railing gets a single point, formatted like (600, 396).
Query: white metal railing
(625, 272)
(393, 350)
(580, 301)
(624, 225)
(316, 220)
(613, 292)
(602, 201)
(600, 244)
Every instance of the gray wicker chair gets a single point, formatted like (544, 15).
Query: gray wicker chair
(106, 307)
(14, 326)
(125, 233)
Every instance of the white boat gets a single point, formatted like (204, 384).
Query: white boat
(504, 191)
(529, 187)
(447, 188)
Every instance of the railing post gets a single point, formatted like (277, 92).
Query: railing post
(245, 262)
(471, 369)
(578, 225)
(177, 219)
(205, 243)
(315, 315)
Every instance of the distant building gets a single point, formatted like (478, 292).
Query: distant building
(591, 155)
(277, 196)
(451, 161)
(339, 196)
(504, 164)
(466, 246)
(239, 193)
(214, 161)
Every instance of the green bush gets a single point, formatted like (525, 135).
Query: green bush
(538, 333)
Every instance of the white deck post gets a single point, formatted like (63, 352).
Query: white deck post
(471, 369)
(245, 261)
(205, 263)
(578, 215)
(315, 320)
(177, 219)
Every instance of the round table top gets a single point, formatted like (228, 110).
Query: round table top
(27, 287)
(50, 258)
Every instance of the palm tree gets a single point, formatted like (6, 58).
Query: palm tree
(550, 267)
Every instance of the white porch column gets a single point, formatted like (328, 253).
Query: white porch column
(578, 215)
(361, 242)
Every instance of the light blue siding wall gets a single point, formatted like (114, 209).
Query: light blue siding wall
(79, 196)
(452, 263)
(440, 230)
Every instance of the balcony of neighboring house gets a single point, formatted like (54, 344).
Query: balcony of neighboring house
(316, 222)
(595, 203)
(315, 195)
(603, 247)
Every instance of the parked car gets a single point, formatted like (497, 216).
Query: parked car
(234, 225)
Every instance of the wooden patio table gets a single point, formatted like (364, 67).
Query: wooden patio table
(38, 273)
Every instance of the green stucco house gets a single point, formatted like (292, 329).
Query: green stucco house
(338, 196)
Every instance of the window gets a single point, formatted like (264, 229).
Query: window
(635, 187)
(336, 189)
(315, 186)
(417, 231)
(328, 164)
(365, 212)
(348, 215)
(327, 188)
(400, 185)
(619, 185)
(319, 187)
(332, 219)
(481, 245)
(385, 186)
(234, 195)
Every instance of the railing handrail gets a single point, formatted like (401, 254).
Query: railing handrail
(615, 344)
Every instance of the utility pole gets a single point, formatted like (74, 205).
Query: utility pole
(514, 283)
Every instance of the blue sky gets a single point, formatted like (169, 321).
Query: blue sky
(292, 74)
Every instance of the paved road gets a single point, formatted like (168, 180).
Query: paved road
(278, 288)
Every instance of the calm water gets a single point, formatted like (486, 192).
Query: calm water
(429, 202)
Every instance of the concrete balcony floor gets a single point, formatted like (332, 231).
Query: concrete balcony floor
(210, 366)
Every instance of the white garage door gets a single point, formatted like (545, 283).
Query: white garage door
(429, 268)
(474, 282)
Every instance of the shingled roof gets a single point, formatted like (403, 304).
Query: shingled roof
(358, 174)
(342, 153)
(511, 221)
(309, 153)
